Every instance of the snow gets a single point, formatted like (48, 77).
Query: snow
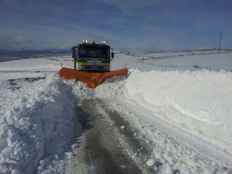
(173, 149)
(182, 110)
(189, 61)
(198, 102)
(32, 123)
(51, 64)
(176, 61)
(180, 103)
(150, 162)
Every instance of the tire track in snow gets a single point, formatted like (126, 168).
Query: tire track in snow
(105, 148)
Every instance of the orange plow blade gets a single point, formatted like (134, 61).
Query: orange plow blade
(91, 79)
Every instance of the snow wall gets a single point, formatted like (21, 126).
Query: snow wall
(37, 122)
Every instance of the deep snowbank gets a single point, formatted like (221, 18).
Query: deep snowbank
(198, 102)
(183, 116)
(37, 122)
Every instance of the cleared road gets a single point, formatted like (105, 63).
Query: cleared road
(107, 146)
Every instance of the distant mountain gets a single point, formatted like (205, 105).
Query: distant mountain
(7, 55)
(35, 51)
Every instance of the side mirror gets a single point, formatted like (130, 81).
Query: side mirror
(74, 52)
(112, 54)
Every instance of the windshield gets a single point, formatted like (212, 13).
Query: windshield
(94, 53)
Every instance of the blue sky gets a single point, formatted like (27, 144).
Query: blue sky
(137, 24)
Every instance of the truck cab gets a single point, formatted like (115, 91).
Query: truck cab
(92, 57)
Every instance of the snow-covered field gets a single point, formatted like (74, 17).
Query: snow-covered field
(214, 61)
(180, 105)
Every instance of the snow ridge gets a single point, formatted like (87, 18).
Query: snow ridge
(33, 126)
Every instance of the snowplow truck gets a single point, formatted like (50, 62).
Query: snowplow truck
(91, 65)
(92, 57)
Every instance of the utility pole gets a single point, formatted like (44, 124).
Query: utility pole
(220, 41)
